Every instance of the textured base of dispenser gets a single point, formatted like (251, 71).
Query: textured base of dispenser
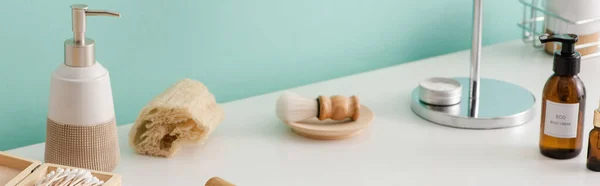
(501, 105)
(89, 147)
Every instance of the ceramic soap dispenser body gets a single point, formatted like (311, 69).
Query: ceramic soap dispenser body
(81, 127)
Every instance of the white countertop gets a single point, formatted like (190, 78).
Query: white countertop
(252, 147)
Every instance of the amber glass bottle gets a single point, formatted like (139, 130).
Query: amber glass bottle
(563, 103)
(593, 155)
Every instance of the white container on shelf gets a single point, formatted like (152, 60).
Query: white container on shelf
(574, 10)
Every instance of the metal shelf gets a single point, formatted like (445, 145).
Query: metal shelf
(533, 25)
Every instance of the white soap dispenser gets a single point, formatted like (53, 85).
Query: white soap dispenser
(81, 128)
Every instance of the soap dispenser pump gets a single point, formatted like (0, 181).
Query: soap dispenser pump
(563, 102)
(81, 127)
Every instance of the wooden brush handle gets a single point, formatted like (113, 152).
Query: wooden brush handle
(216, 181)
(339, 107)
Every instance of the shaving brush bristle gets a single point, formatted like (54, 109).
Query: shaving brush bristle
(292, 107)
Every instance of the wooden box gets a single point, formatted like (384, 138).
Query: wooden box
(109, 179)
(14, 169)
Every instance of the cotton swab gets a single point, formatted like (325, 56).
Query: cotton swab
(69, 177)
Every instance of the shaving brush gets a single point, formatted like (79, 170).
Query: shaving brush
(292, 107)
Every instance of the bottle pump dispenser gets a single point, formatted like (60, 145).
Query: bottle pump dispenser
(79, 50)
(563, 102)
(81, 128)
(567, 61)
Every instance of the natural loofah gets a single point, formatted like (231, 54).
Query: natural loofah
(186, 112)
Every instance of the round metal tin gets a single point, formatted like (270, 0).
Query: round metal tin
(440, 91)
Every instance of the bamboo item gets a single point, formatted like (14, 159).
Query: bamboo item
(29, 172)
(333, 129)
(14, 169)
(339, 108)
(292, 107)
(109, 179)
(216, 181)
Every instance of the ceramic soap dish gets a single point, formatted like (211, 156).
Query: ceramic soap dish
(14, 169)
(332, 129)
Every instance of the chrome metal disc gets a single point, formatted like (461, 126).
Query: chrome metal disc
(501, 105)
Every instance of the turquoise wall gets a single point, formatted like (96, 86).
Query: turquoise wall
(236, 47)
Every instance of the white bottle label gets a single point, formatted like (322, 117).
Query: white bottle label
(561, 119)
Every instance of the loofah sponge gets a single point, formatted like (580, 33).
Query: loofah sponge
(185, 113)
